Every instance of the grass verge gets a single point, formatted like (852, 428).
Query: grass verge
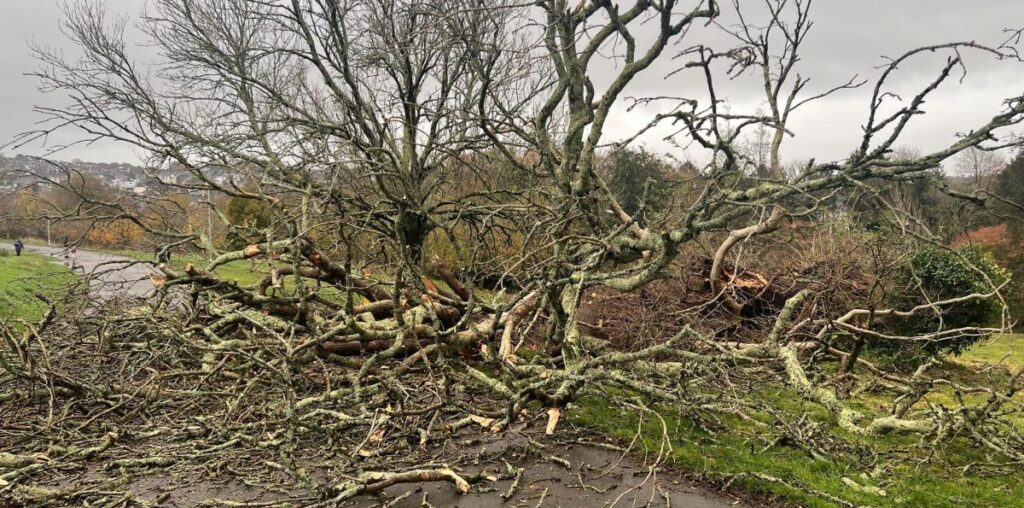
(909, 474)
(21, 277)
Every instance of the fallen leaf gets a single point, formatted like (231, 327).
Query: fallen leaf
(482, 420)
(376, 437)
(553, 415)
(429, 284)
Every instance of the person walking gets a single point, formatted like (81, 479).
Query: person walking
(162, 255)
(73, 258)
(18, 246)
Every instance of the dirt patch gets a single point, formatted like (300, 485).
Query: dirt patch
(988, 236)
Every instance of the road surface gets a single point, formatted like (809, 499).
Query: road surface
(111, 274)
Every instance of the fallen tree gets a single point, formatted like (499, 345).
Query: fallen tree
(365, 128)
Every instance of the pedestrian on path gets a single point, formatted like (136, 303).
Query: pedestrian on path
(162, 255)
(63, 250)
(18, 246)
(72, 256)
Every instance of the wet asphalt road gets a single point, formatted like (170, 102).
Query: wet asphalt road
(111, 274)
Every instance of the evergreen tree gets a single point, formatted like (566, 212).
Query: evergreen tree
(638, 177)
(1009, 190)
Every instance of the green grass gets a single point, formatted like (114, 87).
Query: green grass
(249, 272)
(243, 272)
(21, 277)
(907, 477)
(1006, 349)
(738, 450)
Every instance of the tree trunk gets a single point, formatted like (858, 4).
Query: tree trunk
(413, 228)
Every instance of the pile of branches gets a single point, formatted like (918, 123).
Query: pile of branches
(334, 398)
(338, 398)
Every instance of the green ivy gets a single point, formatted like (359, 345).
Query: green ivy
(933, 274)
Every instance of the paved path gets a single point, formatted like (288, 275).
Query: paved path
(595, 478)
(589, 477)
(111, 274)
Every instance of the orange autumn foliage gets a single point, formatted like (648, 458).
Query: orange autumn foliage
(119, 233)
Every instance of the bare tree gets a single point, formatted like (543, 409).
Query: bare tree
(368, 126)
(979, 165)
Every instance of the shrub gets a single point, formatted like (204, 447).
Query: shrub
(119, 233)
(483, 257)
(248, 218)
(637, 176)
(935, 274)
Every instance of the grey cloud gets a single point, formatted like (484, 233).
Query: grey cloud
(849, 37)
(853, 38)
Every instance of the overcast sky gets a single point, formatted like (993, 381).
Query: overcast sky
(849, 37)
